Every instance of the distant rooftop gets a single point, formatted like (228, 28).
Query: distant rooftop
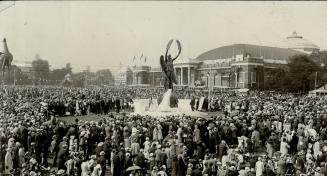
(231, 51)
(296, 41)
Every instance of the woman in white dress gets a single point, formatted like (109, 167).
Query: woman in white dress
(259, 166)
(86, 167)
(9, 163)
(160, 136)
(147, 145)
(21, 156)
(284, 147)
(97, 170)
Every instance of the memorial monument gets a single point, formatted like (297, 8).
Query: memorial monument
(166, 104)
(167, 66)
(5, 60)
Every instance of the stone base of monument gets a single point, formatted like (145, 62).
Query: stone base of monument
(144, 107)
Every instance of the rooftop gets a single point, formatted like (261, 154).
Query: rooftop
(296, 41)
(230, 51)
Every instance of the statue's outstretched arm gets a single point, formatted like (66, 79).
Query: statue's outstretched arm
(167, 49)
(179, 49)
(179, 52)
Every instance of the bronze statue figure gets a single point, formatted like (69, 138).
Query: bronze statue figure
(5, 60)
(167, 65)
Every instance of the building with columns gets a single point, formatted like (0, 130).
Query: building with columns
(233, 66)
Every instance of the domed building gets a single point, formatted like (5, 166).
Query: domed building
(297, 42)
(238, 66)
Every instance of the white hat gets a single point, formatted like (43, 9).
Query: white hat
(93, 157)
(100, 144)
(61, 171)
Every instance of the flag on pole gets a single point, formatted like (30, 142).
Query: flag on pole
(145, 59)
(141, 56)
(133, 58)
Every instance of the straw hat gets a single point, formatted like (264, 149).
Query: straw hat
(60, 172)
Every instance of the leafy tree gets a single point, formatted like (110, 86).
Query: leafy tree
(20, 77)
(40, 68)
(319, 57)
(273, 78)
(58, 75)
(299, 73)
(78, 79)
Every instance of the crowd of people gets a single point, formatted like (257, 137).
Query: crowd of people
(262, 133)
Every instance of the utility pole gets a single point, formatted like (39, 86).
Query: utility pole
(316, 80)
(14, 76)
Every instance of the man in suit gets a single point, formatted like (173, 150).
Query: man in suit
(102, 162)
(117, 169)
(192, 103)
(181, 165)
(117, 102)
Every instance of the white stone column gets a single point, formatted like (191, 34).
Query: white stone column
(189, 75)
(182, 76)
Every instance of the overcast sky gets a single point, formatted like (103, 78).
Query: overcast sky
(103, 34)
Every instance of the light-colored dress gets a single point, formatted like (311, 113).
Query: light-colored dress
(284, 148)
(259, 168)
(86, 169)
(9, 163)
(97, 170)
(21, 155)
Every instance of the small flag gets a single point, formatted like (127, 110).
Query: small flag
(141, 56)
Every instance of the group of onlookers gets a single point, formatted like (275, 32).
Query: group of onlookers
(261, 133)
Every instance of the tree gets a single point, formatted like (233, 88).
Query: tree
(20, 78)
(40, 69)
(273, 78)
(58, 75)
(299, 73)
(78, 79)
(320, 57)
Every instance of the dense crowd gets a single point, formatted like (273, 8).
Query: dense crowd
(262, 133)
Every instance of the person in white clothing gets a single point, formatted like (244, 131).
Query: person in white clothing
(86, 167)
(97, 170)
(284, 147)
(259, 167)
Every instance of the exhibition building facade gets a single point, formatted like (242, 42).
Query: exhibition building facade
(240, 66)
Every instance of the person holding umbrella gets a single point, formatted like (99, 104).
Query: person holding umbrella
(135, 170)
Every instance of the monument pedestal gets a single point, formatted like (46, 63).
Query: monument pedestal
(141, 107)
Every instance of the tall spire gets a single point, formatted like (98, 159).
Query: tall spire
(5, 47)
